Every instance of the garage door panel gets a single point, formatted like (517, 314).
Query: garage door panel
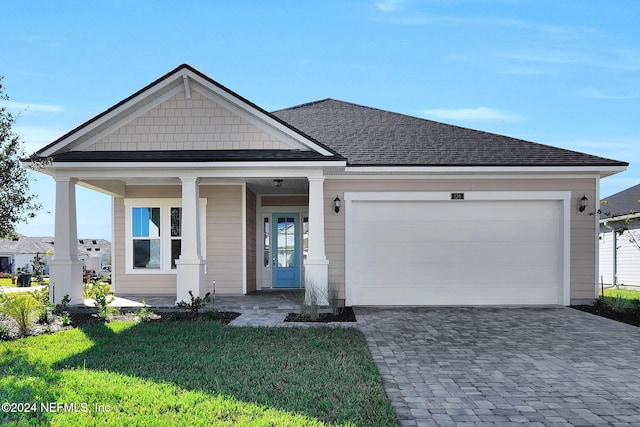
(446, 252)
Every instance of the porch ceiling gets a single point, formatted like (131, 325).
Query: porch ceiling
(288, 186)
(256, 185)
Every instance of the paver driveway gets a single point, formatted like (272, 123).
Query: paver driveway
(505, 366)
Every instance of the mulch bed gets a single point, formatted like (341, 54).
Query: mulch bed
(344, 314)
(9, 328)
(629, 316)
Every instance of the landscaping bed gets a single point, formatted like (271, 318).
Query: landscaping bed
(9, 328)
(628, 314)
(344, 314)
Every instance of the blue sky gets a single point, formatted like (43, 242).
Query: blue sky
(563, 73)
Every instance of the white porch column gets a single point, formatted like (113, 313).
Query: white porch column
(316, 265)
(190, 265)
(66, 269)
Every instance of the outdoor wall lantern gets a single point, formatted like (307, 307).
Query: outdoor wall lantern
(336, 204)
(583, 203)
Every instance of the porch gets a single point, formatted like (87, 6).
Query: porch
(279, 300)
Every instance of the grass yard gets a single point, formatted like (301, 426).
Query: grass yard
(624, 293)
(192, 373)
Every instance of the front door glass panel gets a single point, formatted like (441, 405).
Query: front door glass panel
(286, 248)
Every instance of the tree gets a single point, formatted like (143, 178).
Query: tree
(38, 265)
(17, 204)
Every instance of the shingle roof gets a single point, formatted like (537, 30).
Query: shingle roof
(26, 245)
(369, 136)
(622, 203)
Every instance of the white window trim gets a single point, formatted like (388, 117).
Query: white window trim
(165, 206)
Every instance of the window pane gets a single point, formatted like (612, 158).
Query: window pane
(176, 222)
(146, 254)
(176, 249)
(305, 237)
(286, 242)
(267, 261)
(146, 222)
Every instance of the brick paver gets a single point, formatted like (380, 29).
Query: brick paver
(550, 366)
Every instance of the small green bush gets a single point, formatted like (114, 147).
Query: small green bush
(4, 333)
(145, 313)
(196, 303)
(20, 308)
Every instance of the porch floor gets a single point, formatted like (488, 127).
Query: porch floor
(279, 300)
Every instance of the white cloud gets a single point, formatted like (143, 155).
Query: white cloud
(35, 138)
(25, 107)
(599, 94)
(389, 5)
(470, 114)
(549, 57)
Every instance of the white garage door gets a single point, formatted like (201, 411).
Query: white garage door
(454, 252)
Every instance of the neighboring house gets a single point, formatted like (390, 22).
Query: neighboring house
(620, 238)
(387, 208)
(18, 252)
(95, 253)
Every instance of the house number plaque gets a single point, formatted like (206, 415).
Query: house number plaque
(457, 196)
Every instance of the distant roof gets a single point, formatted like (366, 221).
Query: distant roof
(622, 203)
(22, 244)
(368, 136)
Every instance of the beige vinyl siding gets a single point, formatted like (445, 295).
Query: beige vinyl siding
(582, 232)
(188, 124)
(223, 249)
(224, 237)
(251, 240)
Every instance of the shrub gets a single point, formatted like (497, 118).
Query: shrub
(4, 333)
(20, 308)
(66, 319)
(196, 303)
(61, 309)
(145, 313)
(102, 298)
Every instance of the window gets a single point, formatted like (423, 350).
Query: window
(154, 234)
(176, 234)
(146, 237)
(267, 250)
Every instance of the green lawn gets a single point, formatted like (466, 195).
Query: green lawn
(623, 293)
(193, 373)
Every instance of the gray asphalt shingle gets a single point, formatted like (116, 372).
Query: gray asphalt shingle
(369, 136)
(622, 203)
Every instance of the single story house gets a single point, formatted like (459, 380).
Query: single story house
(17, 253)
(384, 208)
(620, 238)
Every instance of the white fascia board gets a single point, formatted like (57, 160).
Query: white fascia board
(600, 170)
(620, 218)
(461, 177)
(564, 196)
(257, 117)
(204, 170)
(102, 120)
(125, 166)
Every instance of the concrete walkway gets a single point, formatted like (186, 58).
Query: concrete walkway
(505, 366)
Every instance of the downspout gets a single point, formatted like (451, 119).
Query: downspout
(615, 252)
